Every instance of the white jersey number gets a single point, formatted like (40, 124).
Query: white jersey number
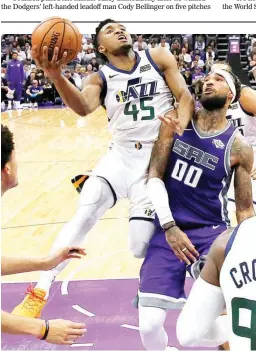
(192, 176)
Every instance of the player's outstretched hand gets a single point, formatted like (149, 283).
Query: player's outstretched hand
(181, 245)
(63, 254)
(253, 174)
(64, 332)
(170, 119)
(51, 67)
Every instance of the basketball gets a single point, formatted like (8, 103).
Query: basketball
(58, 32)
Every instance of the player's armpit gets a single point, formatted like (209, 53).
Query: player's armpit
(242, 155)
(161, 152)
(248, 100)
(168, 65)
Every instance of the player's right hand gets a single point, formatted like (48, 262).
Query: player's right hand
(53, 67)
(181, 245)
(64, 332)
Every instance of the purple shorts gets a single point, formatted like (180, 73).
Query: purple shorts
(162, 275)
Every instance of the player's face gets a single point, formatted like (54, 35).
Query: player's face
(114, 39)
(216, 92)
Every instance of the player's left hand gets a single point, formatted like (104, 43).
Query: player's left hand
(181, 245)
(171, 120)
(63, 254)
(253, 174)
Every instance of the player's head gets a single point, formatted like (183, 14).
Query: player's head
(112, 39)
(221, 88)
(8, 161)
(15, 55)
(221, 65)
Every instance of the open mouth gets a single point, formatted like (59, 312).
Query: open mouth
(122, 37)
(208, 90)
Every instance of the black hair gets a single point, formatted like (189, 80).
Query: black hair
(95, 39)
(7, 145)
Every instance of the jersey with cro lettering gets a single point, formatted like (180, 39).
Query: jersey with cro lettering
(238, 284)
(243, 121)
(134, 99)
(198, 176)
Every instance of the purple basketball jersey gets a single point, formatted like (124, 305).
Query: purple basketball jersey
(198, 176)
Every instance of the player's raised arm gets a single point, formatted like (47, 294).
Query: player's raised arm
(168, 65)
(248, 100)
(81, 103)
(242, 156)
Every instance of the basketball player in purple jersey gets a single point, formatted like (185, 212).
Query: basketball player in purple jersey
(188, 184)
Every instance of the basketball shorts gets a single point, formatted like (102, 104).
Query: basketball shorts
(125, 168)
(162, 275)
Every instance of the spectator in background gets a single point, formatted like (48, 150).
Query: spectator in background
(26, 71)
(164, 44)
(68, 75)
(89, 69)
(80, 55)
(198, 74)
(199, 43)
(140, 44)
(22, 40)
(208, 64)
(39, 76)
(14, 44)
(175, 47)
(250, 48)
(188, 48)
(29, 80)
(152, 44)
(47, 87)
(76, 76)
(83, 73)
(200, 62)
(4, 90)
(89, 55)
(7, 56)
(28, 53)
(185, 56)
(15, 77)
(252, 66)
(3, 72)
(21, 54)
(188, 77)
(35, 93)
(210, 53)
(95, 64)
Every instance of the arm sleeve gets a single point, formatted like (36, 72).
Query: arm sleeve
(200, 323)
(159, 197)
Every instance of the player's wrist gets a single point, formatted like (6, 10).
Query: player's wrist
(169, 225)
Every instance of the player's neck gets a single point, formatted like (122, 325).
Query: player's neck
(124, 62)
(212, 121)
(4, 188)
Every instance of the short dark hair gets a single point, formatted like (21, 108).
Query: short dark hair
(67, 71)
(7, 145)
(95, 40)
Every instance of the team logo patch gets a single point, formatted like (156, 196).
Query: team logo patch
(148, 212)
(145, 68)
(218, 143)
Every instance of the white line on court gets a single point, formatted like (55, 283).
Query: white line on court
(128, 326)
(82, 310)
(82, 345)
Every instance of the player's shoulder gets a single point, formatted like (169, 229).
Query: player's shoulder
(93, 79)
(161, 55)
(241, 150)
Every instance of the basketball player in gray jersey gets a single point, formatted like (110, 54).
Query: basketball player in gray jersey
(228, 280)
(135, 88)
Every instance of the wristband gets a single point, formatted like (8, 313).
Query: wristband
(171, 225)
(45, 330)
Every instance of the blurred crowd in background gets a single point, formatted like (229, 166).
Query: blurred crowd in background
(195, 54)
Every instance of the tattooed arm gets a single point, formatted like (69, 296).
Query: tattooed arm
(242, 159)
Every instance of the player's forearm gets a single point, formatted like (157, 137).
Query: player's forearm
(12, 324)
(241, 215)
(71, 96)
(13, 265)
(186, 108)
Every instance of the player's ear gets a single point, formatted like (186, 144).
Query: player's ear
(101, 49)
(230, 96)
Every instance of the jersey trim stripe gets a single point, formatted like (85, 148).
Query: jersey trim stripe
(127, 72)
(213, 135)
(104, 87)
(153, 63)
(231, 240)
